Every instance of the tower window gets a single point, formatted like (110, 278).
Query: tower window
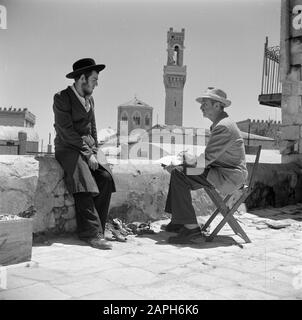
(136, 118)
(176, 55)
(147, 120)
(174, 103)
(124, 116)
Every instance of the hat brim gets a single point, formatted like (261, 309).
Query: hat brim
(97, 68)
(226, 102)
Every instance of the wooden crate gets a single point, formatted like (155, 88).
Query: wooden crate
(15, 240)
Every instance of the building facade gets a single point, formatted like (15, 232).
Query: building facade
(174, 78)
(17, 134)
(269, 128)
(138, 114)
(17, 117)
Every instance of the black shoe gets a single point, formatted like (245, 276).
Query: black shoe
(99, 242)
(186, 236)
(172, 227)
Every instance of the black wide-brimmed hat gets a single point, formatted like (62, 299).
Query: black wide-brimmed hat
(83, 66)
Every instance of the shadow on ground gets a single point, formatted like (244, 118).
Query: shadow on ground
(47, 239)
(161, 238)
(279, 213)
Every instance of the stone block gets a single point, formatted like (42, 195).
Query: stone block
(69, 200)
(60, 188)
(70, 225)
(292, 88)
(58, 201)
(15, 240)
(290, 132)
(296, 52)
(18, 180)
(70, 214)
(291, 110)
(292, 158)
(276, 185)
(50, 220)
(286, 88)
(59, 211)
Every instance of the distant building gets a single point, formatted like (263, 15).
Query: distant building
(174, 78)
(17, 117)
(138, 114)
(17, 134)
(269, 128)
(171, 139)
(10, 140)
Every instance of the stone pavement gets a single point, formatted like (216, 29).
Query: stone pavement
(146, 267)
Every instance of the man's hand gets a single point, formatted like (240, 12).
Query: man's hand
(169, 168)
(187, 158)
(93, 163)
(101, 157)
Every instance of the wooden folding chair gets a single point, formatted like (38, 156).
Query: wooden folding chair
(222, 206)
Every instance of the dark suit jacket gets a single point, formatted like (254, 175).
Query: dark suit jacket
(75, 141)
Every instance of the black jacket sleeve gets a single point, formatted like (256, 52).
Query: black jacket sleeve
(64, 126)
(93, 128)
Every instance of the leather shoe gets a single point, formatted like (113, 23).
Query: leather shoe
(99, 242)
(186, 236)
(172, 227)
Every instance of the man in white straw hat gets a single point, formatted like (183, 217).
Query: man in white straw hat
(223, 160)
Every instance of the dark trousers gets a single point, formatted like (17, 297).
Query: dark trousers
(179, 200)
(91, 212)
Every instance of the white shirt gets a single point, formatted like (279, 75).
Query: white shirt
(85, 101)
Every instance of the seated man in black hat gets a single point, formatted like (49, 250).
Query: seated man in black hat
(90, 182)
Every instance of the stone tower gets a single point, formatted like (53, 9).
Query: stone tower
(174, 78)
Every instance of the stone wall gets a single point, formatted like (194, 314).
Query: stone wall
(141, 191)
(276, 185)
(290, 75)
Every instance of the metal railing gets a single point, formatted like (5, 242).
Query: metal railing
(271, 83)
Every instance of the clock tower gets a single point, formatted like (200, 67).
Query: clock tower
(174, 78)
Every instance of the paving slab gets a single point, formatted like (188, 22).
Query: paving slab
(147, 267)
(37, 291)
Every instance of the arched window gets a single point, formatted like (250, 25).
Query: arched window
(136, 118)
(176, 55)
(147, 120)
(124, 116)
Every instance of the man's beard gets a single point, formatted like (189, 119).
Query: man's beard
(86, 92)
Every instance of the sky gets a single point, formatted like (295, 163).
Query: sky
(224, 43)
